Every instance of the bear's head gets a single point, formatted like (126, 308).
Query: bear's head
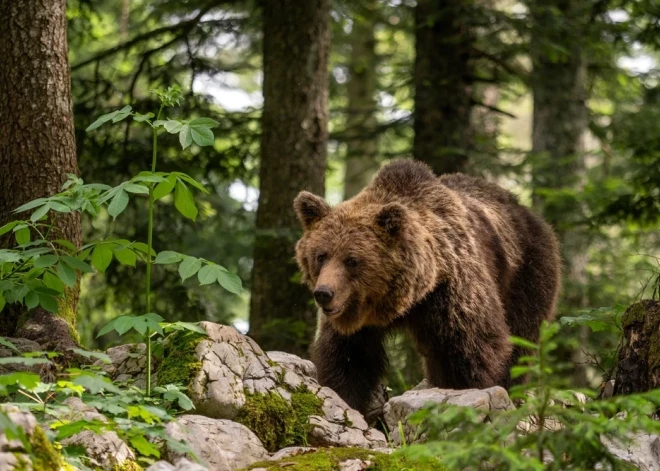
(365, 262)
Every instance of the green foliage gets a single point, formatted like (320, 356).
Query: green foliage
(137, 418)
(550, 429)
(277, 422)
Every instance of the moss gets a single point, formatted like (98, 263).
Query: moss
(128, 465)
(277, 422)
(635, 313)
(67, 310)
(42, 453)
(327, 459)
(180, 363)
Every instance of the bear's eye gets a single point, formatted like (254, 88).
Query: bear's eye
(320, 258)
(351, 262)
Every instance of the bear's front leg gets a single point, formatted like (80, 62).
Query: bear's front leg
(351, 365)
(465, 344)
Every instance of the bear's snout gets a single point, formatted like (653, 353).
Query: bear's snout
(323, 295)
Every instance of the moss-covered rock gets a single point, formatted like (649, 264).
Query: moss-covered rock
(128, 465)
(180, 364)
(277, 422)
(329, 459)
(43, 455)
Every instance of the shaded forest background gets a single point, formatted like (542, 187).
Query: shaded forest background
(556, 100)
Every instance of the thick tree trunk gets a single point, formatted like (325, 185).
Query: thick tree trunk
(443, 91)
(37, 145)
(362, 145)
(559, 124)
(293, 158)
(638, 365)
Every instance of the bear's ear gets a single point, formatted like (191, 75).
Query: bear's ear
(391, 218)
(310, 208)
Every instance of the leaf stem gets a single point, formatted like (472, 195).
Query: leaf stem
(149, 248)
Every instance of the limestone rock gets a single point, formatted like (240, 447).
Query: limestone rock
(293, 363)
(292, 451)
(105, 450)
(399, 408)
(14, 453)
(129, 363)
(181, 465)
(232, 366)
(23, 346)
(643, 451)
(221, 444)
(354, 465)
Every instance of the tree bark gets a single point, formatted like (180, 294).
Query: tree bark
(296, 46)
(37, 144)
(443, 91)
(638, 365)
(362, 145)
(559, 124)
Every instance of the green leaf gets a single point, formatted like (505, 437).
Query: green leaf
(45, 261)
(59, 207)
(31, 300)
(143, 446)
(39, 213)
(122, 114)
(101, 257)
(125, 256)
(520, 342)
(135, 188)
(49, 303)
(164, 188)
(189, 266)
(184, 201)
(23, 361)
(144, 248)
(230, 282)
(123, 324)
(31, 204)
(207, 275)
(53, 282)
(22, 236)
(173, 126)
(185, 136)
(73, 262)
(67, 274)
(96, 355)
(2, 302)
(180, 325)
(25, 380)
(142, 117)
(107, 117)
(118, 203)
(167, 256)
(96, 383)
(66, 244)
(204, 122)
(202, 136)
(6, 343)
(66, 430)
(8, 227)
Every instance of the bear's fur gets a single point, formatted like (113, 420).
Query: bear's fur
(455, 260)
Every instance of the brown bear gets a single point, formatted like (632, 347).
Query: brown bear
(455, 260)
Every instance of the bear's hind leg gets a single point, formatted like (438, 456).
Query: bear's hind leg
(352, 365)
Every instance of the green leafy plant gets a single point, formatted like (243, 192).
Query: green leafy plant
(43, 264)
(551, 429)
(137, 418)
